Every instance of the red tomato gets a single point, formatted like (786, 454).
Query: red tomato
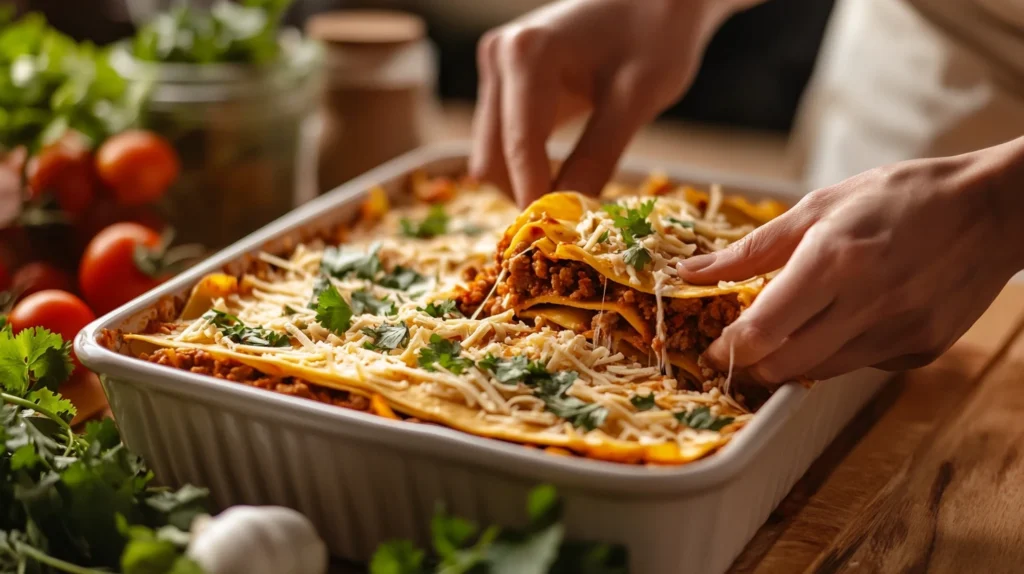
(39, 276)
(138, 166)
(108, 275)
(64, 169)
(55, 310)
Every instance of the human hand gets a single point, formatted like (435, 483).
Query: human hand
(886, 269)
(623, 60)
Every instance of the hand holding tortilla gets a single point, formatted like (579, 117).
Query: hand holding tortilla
(886, 269)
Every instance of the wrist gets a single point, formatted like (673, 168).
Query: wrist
(1000, 179)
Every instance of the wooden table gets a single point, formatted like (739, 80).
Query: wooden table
(928, 478)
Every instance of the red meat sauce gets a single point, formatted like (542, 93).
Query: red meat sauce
(690, 323)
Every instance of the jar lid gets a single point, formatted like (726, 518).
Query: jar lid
(374, 27)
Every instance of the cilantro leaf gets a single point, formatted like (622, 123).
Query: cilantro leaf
(603, 238)
(397, 557)
(320, 285)
(643, 402)
(401, 278)
(53, 402)
(332, 312)
(34, 358)
(434, 224)
(637, 256)
(441, 310)
(518, 369)
(631, 222)
(340, 264)
(700, 418)
(363, 302)
(443, 352)
(681, 223)
(235, 330)
(387, 337)
(552, 388)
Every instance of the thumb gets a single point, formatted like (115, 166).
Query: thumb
(764, 250)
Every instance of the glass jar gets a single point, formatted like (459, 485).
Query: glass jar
(237, 131)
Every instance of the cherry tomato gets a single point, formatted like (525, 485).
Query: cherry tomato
(53, 309)
(64, 169)
(138, 166)
(108, 274)
(39, 276)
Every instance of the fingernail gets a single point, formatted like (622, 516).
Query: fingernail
(698, 263)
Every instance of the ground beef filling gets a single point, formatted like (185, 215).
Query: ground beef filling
(203, 363)
(689, 323)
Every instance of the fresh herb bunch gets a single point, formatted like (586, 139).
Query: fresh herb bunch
(243, 33)
(461, 546)
(50, 84)
(76, 503)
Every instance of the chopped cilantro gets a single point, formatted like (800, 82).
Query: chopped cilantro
(700, 418)
(443, 352)
(435, 223)
(441, 310)
(637, 256)
(332, 312)
(340, 264)
(643, 402)
(386, 337)
(603, 238)
(552, 388)
(681, 223)
(235, 330)
(401, 278)
(289, 310)
(363, 302)
(631, 222)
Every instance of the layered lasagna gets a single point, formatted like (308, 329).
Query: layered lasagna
(562, 327)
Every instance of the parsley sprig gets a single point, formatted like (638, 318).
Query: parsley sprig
(342, 264)
(76, 502)
(386, 337)
(434, 224)
(460, 545)
(235, 330)
(445, 353)
(633, 224)
(700, 418)
(552, 388)
(441, 309)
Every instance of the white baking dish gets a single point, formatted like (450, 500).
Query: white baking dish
(364, 479)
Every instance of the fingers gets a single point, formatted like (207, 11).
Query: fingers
(765, 249)
(611, 126)
(487, 157)
(800, 292)
(529, 104)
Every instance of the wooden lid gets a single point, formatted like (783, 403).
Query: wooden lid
(375, 27)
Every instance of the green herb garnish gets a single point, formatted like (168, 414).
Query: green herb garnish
(700, 418)
(637, 256)
(364, 302)
(680, 222)
(434, 224)
(443, 352)
(552, 388)
(235, 330)
(401, 278)
(74, 502)
(462, 546)
(603, 238)
(632, 223)
(341, 264)
(332, 312)
(243, 33)
(642, 402)
(386, 337)
(441, 309)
